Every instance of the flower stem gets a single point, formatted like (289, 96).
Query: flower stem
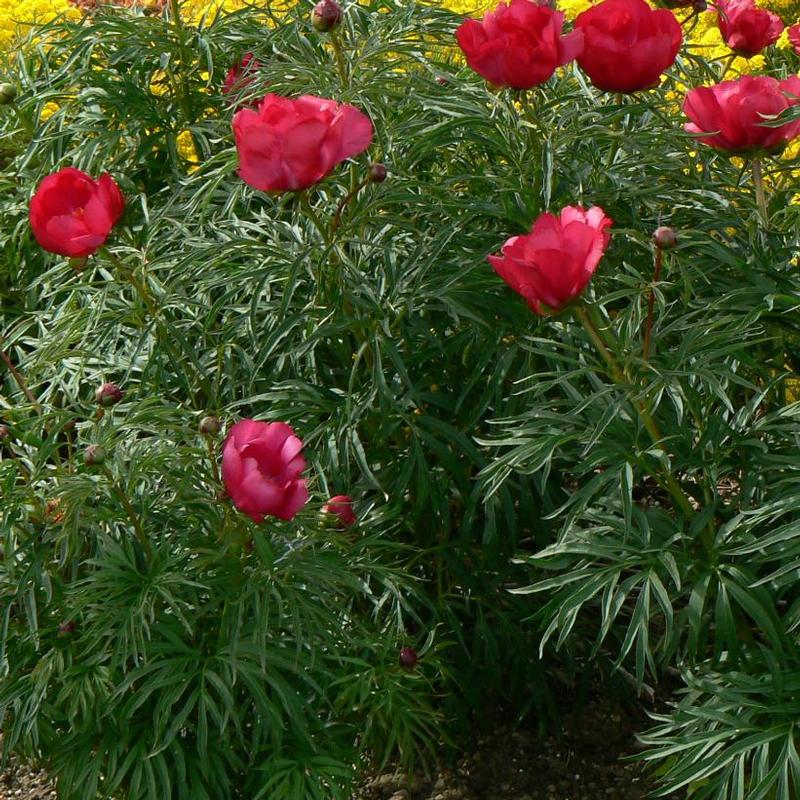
(650, 425)
(758, 182)
(339, 56)
(648, 326)
(313, 216)
(140, 287)
(18, 377)
(213, 457)
(728, 64)
(345, 201)
(132, 515)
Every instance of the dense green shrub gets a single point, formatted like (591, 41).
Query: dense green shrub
(156, 643)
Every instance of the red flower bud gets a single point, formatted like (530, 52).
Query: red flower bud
(94, 455)
(327, 14)
(553, 264)
(5, 432)
(341, 506)
(377, 173)
(209, 426)
(408, 658)
(66, 629)
(71, 214)
(665, 238)
(109, 394)
(241, 74)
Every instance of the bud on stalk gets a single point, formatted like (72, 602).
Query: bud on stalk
(94, 455)
(327, 14)
(665, 238)
(109, 394)
(377, 173)
(8, 94)
(408, 658)
(209, 426)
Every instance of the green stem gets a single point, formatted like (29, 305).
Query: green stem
(185, 58)
(758, 182)
(18, 377)
(337, 217)
(313, 216)
(143, 292)
(648, 327)
(339, 56)
(213, 456)
(132, 515)
(650, 425)
(728, 65)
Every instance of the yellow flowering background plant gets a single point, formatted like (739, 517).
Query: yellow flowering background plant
(607, 496)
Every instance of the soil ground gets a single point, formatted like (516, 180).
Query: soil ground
(584, 763)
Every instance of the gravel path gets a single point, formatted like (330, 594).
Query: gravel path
(19, 782)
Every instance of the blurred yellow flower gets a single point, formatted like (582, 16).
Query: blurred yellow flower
(48, 110)
(17, 16)
(187, 150)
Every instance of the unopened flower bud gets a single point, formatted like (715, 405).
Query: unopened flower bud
(94, 455)
(209, 426)
(66, 629)
(408, 658)
(109, 394)
(5, 432)
(8, 93)
(327, 14)
(377, 173)
(665, 238)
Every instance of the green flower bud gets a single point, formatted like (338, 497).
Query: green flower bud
(94, 455)
(8, 93)
(209, 426)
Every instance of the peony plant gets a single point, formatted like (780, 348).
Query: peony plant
(297, 303)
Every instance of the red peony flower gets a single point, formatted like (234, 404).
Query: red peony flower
(552, 264)
(341, 506)
(241, 74)
(261, 468)
(287, 145)
(794, 37)
(627, 45)
(731, 115)
(746, 28)
(518, 45)
(71, 214)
